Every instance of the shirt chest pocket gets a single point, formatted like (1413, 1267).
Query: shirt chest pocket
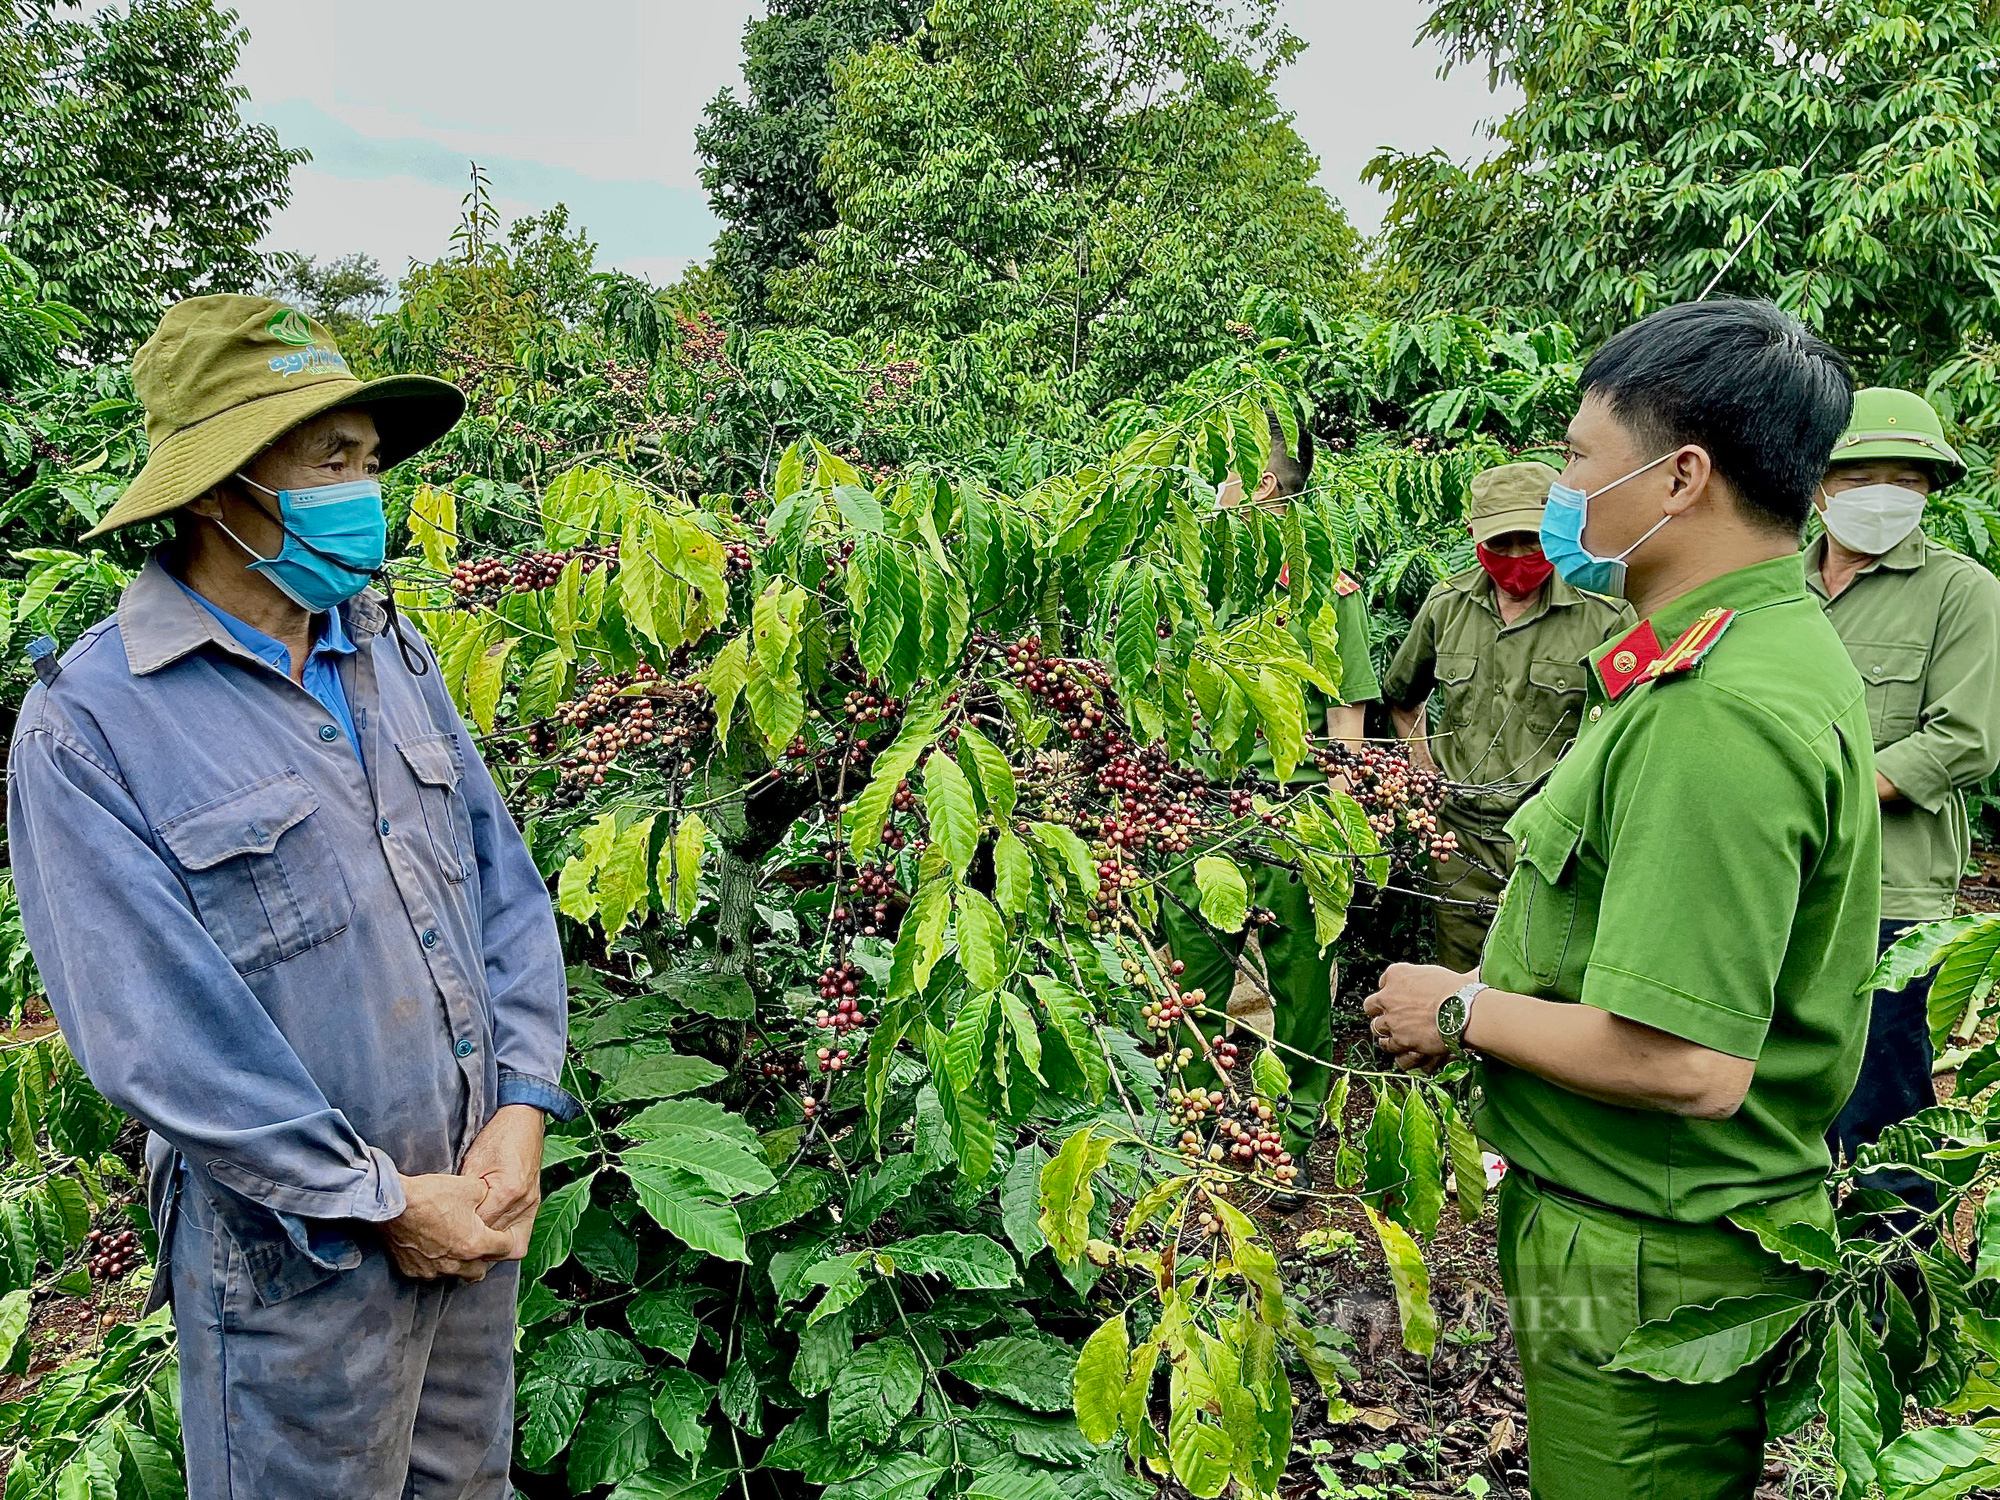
(1894, 678)
(262, 869)
(1558, 694)
(434, 761)
(1455, 685)
(1540, 909)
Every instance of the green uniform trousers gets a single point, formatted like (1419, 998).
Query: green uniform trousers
(1461, 930)
(1579, 1278)
(1301, 986)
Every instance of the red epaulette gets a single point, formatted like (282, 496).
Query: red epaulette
(1639, 657)
(1344, 585)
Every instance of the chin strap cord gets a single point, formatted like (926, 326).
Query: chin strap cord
(413, 658)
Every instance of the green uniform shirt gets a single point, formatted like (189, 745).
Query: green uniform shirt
(1923, 626)
(1358, 682)
(1505, 700)
(1704, 861)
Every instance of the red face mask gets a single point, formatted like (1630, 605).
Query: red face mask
(1519, 576)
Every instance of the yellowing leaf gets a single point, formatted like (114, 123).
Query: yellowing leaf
(621, 879)
(434, 525)
(684, 889)
(725, 678)
(1100, 1380)
(1067, 1195)
(484, 679)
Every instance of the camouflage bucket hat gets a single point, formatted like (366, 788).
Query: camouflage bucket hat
(1888, 423)
(224, 377)
(1509, 498)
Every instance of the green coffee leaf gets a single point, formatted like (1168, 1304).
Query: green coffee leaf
(1225, 896)
(954, 818)
(1699, 1345)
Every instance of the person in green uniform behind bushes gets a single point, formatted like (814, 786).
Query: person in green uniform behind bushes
(1665, 1017)
(1287, 993)
(1923, 626)
(1488, 686)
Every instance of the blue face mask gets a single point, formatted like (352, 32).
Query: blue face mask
(335, 540)
(1563, 520)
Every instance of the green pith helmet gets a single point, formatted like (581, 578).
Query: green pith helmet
(1888, 423)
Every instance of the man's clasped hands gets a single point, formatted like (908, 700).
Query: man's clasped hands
(460, 1224)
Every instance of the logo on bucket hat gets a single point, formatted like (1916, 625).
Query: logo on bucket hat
(289, 326)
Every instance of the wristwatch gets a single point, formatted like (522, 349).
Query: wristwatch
(1455, 1014)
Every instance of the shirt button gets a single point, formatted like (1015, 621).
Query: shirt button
(1876, 670)
(329, 732)
(1597, 713)
(430, 938)
(385, 828)
(463, 1049)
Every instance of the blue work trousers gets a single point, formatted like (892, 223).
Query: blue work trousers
(366, 1386)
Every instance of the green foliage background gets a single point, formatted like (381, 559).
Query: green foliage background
(1006, 290)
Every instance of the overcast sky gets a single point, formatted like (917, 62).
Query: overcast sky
(593, 103)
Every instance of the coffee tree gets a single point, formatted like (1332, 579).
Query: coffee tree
(905, 1151)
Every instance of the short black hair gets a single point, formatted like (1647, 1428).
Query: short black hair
(1742, 379)
(1293, 474)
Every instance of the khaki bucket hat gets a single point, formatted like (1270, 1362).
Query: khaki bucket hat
(224, 377)
(1509, 498)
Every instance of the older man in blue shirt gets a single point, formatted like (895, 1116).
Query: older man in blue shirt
(286, 922)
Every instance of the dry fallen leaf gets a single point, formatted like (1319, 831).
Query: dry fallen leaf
(1502, 1438)
(1381, 1418)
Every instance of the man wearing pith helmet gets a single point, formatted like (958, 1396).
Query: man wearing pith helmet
(285, 921)
(1923, 626)
(1489, 685)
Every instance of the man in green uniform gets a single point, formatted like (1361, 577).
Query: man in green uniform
(1665, 1016)
(1287, 993)
(1497, 652)
(1923, 626)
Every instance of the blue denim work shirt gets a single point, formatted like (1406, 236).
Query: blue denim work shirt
(304, 971)
(321, 676)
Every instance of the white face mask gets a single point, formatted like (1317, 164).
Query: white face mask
(1872, 518)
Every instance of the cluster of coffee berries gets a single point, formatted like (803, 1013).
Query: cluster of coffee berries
(1192, 1106)
(1070, 690)
(1400, 798)
(663, 719)
(832, 1060)
(1240, 330)
(892, 382)
(482, 580)
(1250, 1139)
(702, 340)
(840, 987)
(1242, 803)
(112, 1254)
(779, 1064)
(1225, 1056)
(736, 559)
(870, 705)
(1163, 1016)
(868, 898)
(809, 1104)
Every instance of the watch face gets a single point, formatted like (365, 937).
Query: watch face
(1451, 1016)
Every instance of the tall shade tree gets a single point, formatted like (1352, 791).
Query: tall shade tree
(1655, 134)
(761, 153)
(1089, 184)
(128, 176)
